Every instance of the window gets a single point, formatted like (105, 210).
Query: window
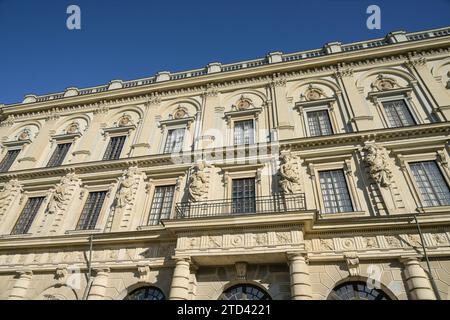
(334, 192)
(59, 154)
(9, 159)
(398, 114)
(243, 132)
(174, 140)
(244, 196)
(319, 123)
(114, 148)
(432, 186)
(245, 292)
(91, 210)
(357, 290)
(161, 204)
(26, 218)
(146, 293)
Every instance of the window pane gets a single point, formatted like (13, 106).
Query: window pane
(9, 159)
(244, 132)
(114, 148)
(174, 140)
(26, 218)
(334, 192)
(319, 123)
(59, 154)
(243, 194)
(398, 114)
(432, 186)
(91, 210)
(161, 204)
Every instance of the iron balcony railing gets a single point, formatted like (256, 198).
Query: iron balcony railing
(276, 203)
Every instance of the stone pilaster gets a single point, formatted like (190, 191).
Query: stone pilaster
(418, 284)
(283, 117)
(20, 288)
(179, 289)
(299, 274)
(98, 287)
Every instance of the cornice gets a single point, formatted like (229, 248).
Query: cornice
(262, 74)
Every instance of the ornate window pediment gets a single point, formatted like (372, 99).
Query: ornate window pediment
(243, 107)
(179, 117)
(313, 93)
(123, 126)
(23, 137)
(385, 86)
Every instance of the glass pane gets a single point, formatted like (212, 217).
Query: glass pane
(161, 204)
(9, 159)
(432, 186)
(91, 210)
(244, 132)
(243, 194)
(398, 114)
(174, 140)
(319, 123)
(357, 291)
(335, 195)
(59, 154)
(146, 293)
(245, 292)
(114, 148)
(26, 218)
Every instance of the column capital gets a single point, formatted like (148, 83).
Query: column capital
(297, 255)
(101, 270)
(24, 273)
(409, 259)
(182, 259)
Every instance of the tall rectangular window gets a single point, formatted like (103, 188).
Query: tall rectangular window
(243, 193)
(244, 132)
(9, 159)
(432, 186)
(59, 154)
(27, 216)
(174, 140)
(319, 123)
(398, 114)
(114, 148)
(336, 197)
(161, 204)
(91, 210)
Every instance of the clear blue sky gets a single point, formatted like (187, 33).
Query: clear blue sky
(136, 38)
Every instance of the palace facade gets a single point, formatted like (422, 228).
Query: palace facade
(320, 174)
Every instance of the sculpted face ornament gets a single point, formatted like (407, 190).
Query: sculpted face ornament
(313, 93)
(72, 128)
(242, 104)
(379, 166)
(180, 113)
(382, 83)
(125, 120)
(24, 135)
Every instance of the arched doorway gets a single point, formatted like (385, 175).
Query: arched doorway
(146, 293)
(357, 290)
(245, 292)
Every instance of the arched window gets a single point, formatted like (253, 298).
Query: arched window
(244, 292)
(146, 293)
(356, 290)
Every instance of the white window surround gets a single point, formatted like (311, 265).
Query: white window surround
(102, 216)
(442, 164)
(108, 133)
(345, 166)
(172, 124)
(241, 172)
(326, 104)
(405, 94)
(234, 116)
(58, 139)
(150, 191)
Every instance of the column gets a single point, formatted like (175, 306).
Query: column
(300, 280)
(282, 114)
(87, 141)
(98, 287)
(439, 95)
(20, 288)
(417, 280)
(362, 117)
(179, 289)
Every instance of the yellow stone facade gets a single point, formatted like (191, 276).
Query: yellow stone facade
(286, 242)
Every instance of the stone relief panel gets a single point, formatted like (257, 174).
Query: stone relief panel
(9, 191)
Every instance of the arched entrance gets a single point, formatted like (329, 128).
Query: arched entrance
(245, 292)
(146, 293)
(357, 290)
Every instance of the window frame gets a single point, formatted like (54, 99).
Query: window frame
(101, 213)
(41, 209)
(166, 136)
(66, 156)
(254, 130)
(110, 137)
(306, 120)
(5, 154)
(171, 210)
(242, 115)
